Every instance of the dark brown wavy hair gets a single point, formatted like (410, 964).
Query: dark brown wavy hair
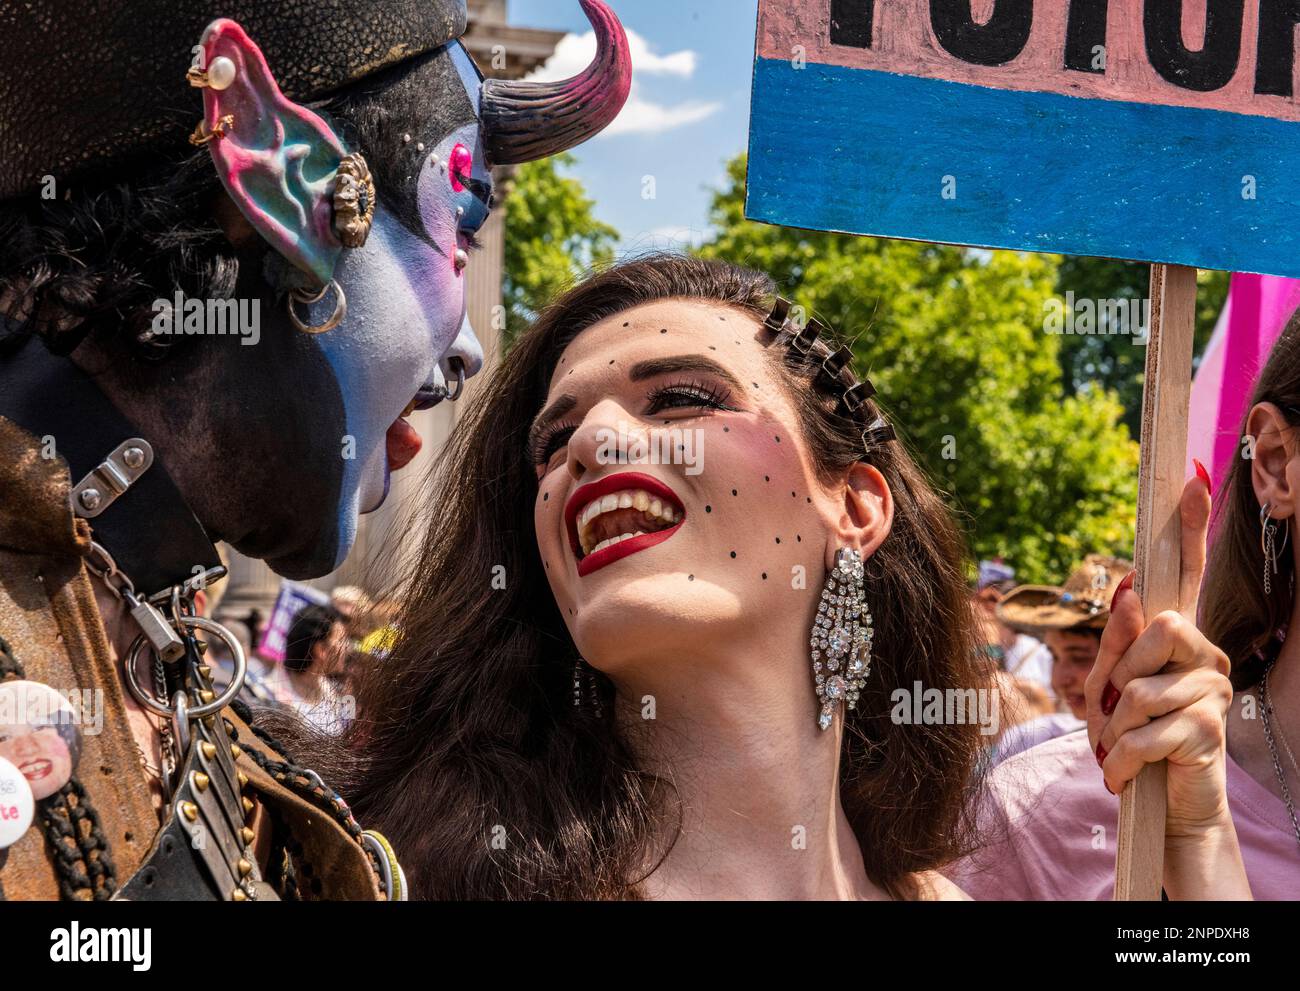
(1235, 613)
(467, 732)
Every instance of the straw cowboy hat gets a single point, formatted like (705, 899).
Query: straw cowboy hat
(1082, 603)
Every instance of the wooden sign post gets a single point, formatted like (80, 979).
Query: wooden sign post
(1164, 131)
(1139, 855)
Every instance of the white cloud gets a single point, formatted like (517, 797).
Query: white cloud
(639, 115)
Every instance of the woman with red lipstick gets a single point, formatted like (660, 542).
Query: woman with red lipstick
(745, 568)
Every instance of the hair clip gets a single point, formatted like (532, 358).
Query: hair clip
(775, 320)
(806, 339)
(858, 394)
(878, 434)
(834, 364)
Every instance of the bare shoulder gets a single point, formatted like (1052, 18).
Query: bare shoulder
(931, 886)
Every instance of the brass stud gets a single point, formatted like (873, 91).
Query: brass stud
(245, 868)
(202, 646)
(201, 781)
(209, 750)
(238, 895)
(205, 672)
(235, 751)
(206, 695)
(210, 722)
(248, 807)
(190, 811)
(243, 779)
(247, 835)
(230, 728)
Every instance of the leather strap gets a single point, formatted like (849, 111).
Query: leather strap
(150, 531)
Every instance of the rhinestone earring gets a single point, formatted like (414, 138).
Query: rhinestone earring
(841, 637)
(585, 692)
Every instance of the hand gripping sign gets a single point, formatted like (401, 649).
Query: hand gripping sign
(1165, 131)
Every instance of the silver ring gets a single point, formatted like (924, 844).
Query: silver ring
(335, 318)
(207, 709)
(459, 366)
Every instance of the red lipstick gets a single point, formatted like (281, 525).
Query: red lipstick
(608, 485)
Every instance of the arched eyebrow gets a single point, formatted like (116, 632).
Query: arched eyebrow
(681, 363)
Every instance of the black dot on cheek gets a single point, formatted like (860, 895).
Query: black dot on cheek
(726, 430)
(712, 348)
(764, 576)
(767, 478)
(708, 509)
(778, 439)
(690, 578)
(810, 498)
(778, 540)
(611, 361)
(793, 496)
(625, 325)
(664, 331)
(733, 491)
(798, 539)
(733, 553)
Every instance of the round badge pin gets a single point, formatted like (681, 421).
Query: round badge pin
(17, 806)
(39, 734)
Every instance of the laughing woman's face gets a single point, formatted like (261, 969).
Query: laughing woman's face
(678, 507)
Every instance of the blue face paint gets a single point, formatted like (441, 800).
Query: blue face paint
(406, 317)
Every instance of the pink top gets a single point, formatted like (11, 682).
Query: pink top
(1051, 827)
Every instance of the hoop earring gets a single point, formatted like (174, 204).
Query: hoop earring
(307, 299)
(1269, 545)
(841, 637)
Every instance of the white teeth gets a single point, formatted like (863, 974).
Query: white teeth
(629, 499)
(615, 540)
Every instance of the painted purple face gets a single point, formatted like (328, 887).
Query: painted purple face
(406, 339)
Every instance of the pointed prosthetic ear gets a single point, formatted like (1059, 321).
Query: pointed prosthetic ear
(278, 161)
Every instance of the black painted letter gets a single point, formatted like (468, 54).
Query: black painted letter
(851, 22)
(1215, 64)
(995, 43)
(1275, 69)
(1085, 30)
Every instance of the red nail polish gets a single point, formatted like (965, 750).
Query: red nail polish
(1204, 476)
(1101, 754)
(1109, 699)
(1126, 584)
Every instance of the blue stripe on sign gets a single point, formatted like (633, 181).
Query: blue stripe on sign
(866, 152)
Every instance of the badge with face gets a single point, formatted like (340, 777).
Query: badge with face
(17, 806)
(39, 735)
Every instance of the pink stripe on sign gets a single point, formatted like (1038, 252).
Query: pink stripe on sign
(904, 42)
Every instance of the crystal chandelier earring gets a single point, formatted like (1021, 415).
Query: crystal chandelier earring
(841, 637)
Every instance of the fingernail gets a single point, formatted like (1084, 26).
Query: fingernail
(1204, 476)
(1108, 788)
(1123, 586)
(1109, 699)
(1101, 754)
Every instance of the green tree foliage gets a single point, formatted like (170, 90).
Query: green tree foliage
(552, 238)
(954, 340)
(1113, 361)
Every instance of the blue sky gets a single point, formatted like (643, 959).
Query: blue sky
(688, 114)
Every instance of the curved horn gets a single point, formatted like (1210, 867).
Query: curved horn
(525, 121)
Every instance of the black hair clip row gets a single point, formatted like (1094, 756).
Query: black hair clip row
(802, 340)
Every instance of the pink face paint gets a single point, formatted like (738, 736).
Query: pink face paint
(461, 163)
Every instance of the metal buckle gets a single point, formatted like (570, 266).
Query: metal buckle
(118, 472)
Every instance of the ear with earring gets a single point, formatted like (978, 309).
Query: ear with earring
(841, 637)
(1269, 544)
